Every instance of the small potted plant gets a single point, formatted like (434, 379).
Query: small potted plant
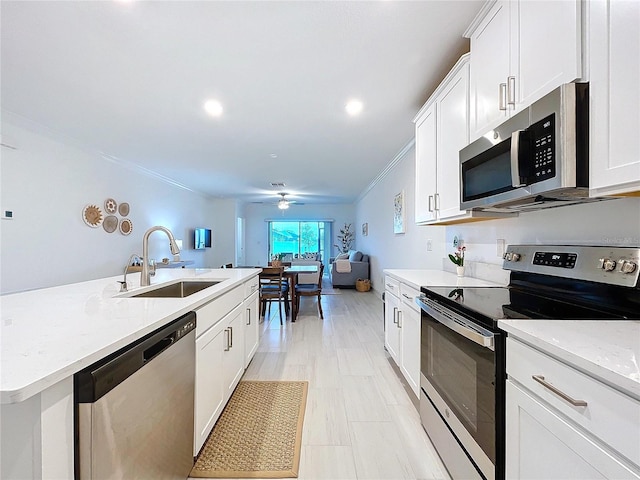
(458, 259)
(276, 259)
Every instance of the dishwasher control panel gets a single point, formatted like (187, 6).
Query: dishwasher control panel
(186, 328)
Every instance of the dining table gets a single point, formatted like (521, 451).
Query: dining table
(291, 273)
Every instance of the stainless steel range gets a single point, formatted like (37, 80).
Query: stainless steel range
(463, 351)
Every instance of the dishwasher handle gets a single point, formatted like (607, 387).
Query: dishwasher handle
(158, 348)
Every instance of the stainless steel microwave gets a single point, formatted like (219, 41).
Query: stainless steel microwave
(537, 159)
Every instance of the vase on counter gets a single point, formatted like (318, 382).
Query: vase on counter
(460, 271)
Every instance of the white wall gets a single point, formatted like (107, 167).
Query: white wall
(46, 182)
(376, 207)
(611, 222)
(257, 229)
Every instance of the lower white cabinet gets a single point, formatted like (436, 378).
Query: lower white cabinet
(402, 330)
(409, 326)
(209, 389)
(226, 340)
(252, 327)
(233, 351)
(391, 330)
(563, 424)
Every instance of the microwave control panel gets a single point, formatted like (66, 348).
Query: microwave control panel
(543, 149)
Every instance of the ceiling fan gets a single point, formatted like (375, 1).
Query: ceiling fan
(284, 203)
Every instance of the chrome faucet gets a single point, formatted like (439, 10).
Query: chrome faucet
(123, 284)
(145, 276)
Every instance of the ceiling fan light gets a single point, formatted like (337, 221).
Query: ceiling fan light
(283, 204)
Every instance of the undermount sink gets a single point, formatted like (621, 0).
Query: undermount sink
(178, 290)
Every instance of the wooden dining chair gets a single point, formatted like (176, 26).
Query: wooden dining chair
(273, 289)
(311, 290)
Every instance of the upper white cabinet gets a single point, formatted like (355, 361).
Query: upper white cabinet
(442, 127)
(520, 51)
(614, 70)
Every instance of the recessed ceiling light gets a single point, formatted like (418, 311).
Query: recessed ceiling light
(354, 107)
(213, 108)
(273, 155)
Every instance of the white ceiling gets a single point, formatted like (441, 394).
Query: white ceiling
(129, 79)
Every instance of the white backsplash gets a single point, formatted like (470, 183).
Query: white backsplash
(484, 271)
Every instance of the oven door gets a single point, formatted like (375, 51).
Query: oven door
(458, 376)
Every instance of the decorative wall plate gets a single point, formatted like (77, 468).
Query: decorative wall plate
(123, 209)
(92, 216)
(110, 205)
(110, 224)
(126, 227)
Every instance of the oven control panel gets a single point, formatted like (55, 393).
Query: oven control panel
(610, 265)
(555, 259)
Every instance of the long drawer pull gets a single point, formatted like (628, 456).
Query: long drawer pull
(407, 296)
(576, 403)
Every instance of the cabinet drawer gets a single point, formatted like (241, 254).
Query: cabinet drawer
(609, 415)
(212, 312)
(392, 285)
(251, 286)
(408, 295)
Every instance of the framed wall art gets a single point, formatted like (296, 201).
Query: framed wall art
(398, 213)
(365, 229)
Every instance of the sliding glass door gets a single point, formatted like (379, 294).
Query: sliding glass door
(295, 239)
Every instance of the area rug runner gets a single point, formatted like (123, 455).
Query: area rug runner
(258, 434)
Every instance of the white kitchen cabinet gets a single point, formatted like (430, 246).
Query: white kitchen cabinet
(409, 326)
(614, 69)
(520, 51)
(391, 331)
(233, 351)
(209, 390)
(442, 127)
(402, 330)
(226, 340)
(549, 437)
(426, 159)
(252, 327)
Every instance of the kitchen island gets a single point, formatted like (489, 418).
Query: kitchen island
(50, 334)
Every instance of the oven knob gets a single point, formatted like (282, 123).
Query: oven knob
(508, 256)
(609, 265)
(516, 257)
(627, 266)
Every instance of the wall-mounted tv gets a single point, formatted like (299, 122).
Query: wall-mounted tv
(201, 238)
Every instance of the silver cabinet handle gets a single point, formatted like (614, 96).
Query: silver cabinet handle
(248, 316)
(395, 312)
(399, 317)
(436, 202)
(503, 96)
(406, 296)
(576, 403)
(226, 331)
(430, 207)
(231, 336)
(511, 91)
(515, 159)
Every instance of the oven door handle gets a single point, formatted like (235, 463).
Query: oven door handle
(458, 324)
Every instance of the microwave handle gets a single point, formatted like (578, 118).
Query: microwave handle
(516, 179)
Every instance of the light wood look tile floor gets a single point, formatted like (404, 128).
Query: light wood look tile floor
(360, 422)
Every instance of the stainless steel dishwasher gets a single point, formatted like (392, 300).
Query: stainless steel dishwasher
(134, 408)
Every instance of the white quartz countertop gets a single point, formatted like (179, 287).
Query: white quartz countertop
(607, 350)
(434, 278)
(49, 334)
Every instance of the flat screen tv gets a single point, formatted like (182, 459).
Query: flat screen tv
(201, 238)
